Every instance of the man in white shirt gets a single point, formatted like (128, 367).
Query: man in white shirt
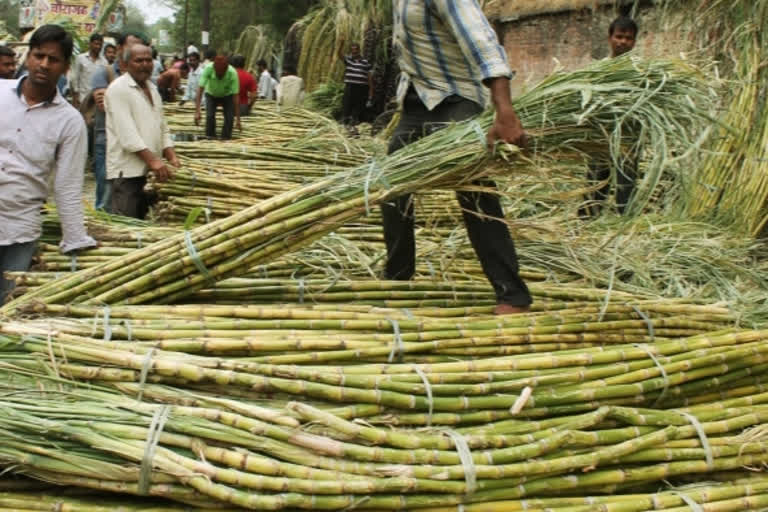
(41, 135)
(290, 92)
(137, 135)
(86, 65)
(193, 79)
(266, 83)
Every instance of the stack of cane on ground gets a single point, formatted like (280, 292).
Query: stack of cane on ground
(175, 374)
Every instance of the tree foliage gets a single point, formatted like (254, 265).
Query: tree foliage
(9, 13)
(230, 17)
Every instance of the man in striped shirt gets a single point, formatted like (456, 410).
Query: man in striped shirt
(358, 84)
(451, 59)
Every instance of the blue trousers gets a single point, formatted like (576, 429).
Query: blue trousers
(14, 258)
(103, 189)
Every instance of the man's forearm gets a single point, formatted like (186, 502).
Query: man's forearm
(370, 86)
(147, 156)
(500, 93)
(199, 97)
(169, 154)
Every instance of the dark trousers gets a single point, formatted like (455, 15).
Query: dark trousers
(482, 212)
(353, 104)
(165, 94)
(14, 258)
(129, 198)
(599, 172)
(228, 106)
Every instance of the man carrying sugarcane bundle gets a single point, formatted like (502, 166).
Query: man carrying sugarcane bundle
(622, 35)
(450, 58)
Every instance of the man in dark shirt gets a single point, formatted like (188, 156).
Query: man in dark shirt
(358, 84)
(622, 35)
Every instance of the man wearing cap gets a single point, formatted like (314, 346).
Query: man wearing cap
(221, 86)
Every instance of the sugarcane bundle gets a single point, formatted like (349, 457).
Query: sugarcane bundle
(334, 22)
(568, 115)
(728, 183)
(565, 318)
(257, 42)
(560, 423)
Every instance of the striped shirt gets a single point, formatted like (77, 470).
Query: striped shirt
(446, 47)
(357, 71)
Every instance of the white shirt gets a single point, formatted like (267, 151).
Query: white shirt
(85, 68)
(133, 124)
(266, 85)
(193, 82)
(290, 92)
(35, 142)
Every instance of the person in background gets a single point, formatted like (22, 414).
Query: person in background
(266, 85)
(431, 96)
(86, 65)
(358, 84)
(138, 138)
(191, 48)
(170, 82)
(220, 86)
(290, 91)
(7, 63)
(157, 66)
(43, 139)
(101, 81)
(247, 94)
(110, 52)
(622, 35)
(275, 83)
(208, 57)
(193, 78)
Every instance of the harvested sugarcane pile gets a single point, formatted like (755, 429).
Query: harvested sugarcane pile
(566, 122)
(727, 183)
(266, 125)
(326, 390)
(235, 176)
(132, 403)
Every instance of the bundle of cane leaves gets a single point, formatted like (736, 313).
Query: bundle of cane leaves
(657, 256)
(258, 42)
(728, 182)
(326, 99)
(92, 437)
(568, 114)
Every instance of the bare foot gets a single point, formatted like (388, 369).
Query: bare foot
(509, 309)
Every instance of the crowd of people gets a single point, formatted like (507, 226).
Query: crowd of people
(121, 99)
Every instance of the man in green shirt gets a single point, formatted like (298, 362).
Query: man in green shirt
(220, 85)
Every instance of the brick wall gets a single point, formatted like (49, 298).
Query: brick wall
(536, 45)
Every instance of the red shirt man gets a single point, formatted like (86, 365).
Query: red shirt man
(248, 86)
